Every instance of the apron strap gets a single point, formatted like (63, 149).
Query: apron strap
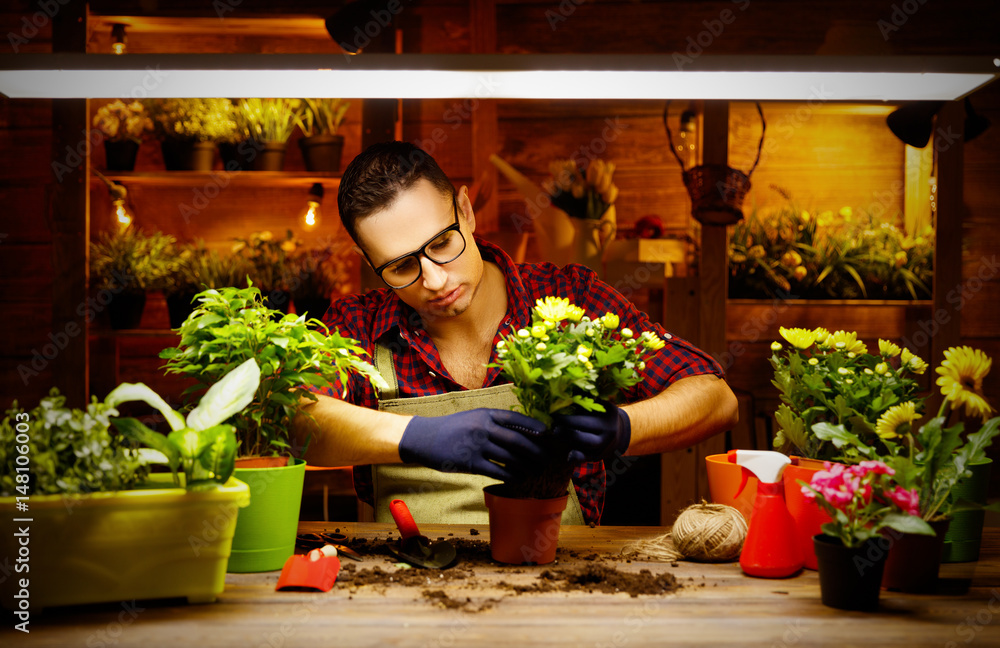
(385, 366)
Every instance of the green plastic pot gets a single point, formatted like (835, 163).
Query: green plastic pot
(961, 543)
(265, 530)
(156, 541)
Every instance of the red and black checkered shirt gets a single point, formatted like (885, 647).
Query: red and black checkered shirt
(418, 366)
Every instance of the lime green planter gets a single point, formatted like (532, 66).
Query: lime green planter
(265, 530)
(153, 542)
(961, 543)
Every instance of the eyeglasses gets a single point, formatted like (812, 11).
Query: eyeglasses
(445, 247)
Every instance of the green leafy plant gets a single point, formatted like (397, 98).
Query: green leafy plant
(232, 325)
(72, 451)
(791, 252)
(268, 260)
(206, 120)
(322, 116)
(198, 268)
(270, 120)
(579, 193)
(203, 446)
(132, 261)
(119, 121)
(862, 500)
(320, 272)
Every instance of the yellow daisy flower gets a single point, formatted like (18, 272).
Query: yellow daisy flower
(893, 418)
(610, 321)
(847, 342)
(913, 363)
(961, 381)
(557, 309)
(887, 349)
(798, 337)
(652, 341)
(822, 335)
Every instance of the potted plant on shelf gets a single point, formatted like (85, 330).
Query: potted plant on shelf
(270, 123)
(861, 500)
(188, 130)
(269, 265)
(124, 126)
(319, 275)
(97, 510)
(125, 264)
(198, 268)
(229, 327)
(565, 363)
(321, 145)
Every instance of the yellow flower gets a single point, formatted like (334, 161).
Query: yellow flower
(814, 361)
(626, 333)
(652, 341)
(757, 252)
(805, 216)
(538, 330)
(893, 418)
(847, 342)
(900, 259)
(791, 259)
(776, 346)
(288, 246)
(557, 309)
(583, 351)
(912, 363)
(887, 349)
(825, 219)
(610, 321)
(881, 368)
(800, 272)
(961, 381)
(846, 213)
(822, 335)
(798, 337)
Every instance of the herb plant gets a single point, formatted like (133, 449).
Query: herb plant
(269, 120)
(131, 260)
(232, 325)
(322, 116)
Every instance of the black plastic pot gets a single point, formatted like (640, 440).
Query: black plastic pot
(270, 156)
(321, 153)
(120, 156)
(850, 578)
(187, 155)
(179, 306)
(125, 310)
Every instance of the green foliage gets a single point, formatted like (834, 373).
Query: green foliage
(268, 260)
(269, 120)
(70, 450)
(322, 116)
(132, 260)
(229, 327)
(794, 253)
(206, 120)
(198, 268)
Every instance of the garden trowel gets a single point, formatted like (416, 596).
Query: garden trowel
(414, 548)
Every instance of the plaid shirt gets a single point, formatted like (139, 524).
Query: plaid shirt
(420, 373)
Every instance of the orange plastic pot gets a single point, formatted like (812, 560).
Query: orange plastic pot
(724, 481)
(808, 515)
(523, 531)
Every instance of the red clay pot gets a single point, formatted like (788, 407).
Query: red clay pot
(523, 531)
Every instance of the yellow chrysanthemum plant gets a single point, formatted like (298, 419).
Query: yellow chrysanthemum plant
(832, 388)
(567, 362)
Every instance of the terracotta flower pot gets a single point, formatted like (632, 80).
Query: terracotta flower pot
(849, 578)
(271, 156)
(523, 531)
(913, 559)
(321, 153)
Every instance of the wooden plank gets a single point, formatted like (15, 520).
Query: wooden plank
(24, 222)
(20, 382)
(485, 130)
(25, 273)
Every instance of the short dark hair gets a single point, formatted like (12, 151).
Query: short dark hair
(374, 179)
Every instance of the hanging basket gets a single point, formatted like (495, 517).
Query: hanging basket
(717, 191)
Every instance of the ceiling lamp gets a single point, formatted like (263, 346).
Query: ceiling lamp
(118, 38)
(914, 123)
(817, 79)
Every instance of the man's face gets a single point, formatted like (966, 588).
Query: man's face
(417, 216)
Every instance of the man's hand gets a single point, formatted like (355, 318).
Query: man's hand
(596, 435)
(497, 443)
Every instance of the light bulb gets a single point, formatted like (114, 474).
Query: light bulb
(123, 217)
(687, 147)
(118, 38)
(311, 215)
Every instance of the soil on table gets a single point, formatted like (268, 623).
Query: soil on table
(454, 588)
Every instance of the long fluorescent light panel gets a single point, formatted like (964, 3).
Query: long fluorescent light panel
(496, 76)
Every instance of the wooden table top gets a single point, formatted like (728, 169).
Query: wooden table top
(717, 606)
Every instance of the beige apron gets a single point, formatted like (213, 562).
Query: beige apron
(431, 495)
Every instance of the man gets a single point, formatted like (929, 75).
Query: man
(445, 427)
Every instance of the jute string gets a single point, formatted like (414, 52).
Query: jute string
(706, 532)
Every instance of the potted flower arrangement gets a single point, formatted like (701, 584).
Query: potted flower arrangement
(124, 126)
(97, 509)
(229, 327)
(319, 275)
(189, 129)
(565, 363)
(269, 263)
(270, 123)
(127, 263)
(861, 501)
(321, 145)
(588, 198)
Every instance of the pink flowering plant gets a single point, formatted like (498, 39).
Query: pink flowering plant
(862, 500)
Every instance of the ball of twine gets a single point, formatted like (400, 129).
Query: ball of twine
(706, 532)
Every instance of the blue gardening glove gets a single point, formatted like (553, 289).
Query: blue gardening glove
(497, 443)
(595, 436)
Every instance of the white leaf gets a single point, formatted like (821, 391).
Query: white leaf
(226, 397)
(127, 392)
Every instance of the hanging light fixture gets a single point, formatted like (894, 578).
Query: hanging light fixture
(913, 123)
(687, 145)
(118, 38)
(120, 211)
(311, 215)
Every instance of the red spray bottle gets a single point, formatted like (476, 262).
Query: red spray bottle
(770, 550)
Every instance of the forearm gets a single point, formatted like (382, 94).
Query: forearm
(687, 412)
(342, 434)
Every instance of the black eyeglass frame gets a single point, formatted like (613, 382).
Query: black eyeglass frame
(422, 251)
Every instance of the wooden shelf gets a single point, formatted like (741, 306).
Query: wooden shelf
(237, 178)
